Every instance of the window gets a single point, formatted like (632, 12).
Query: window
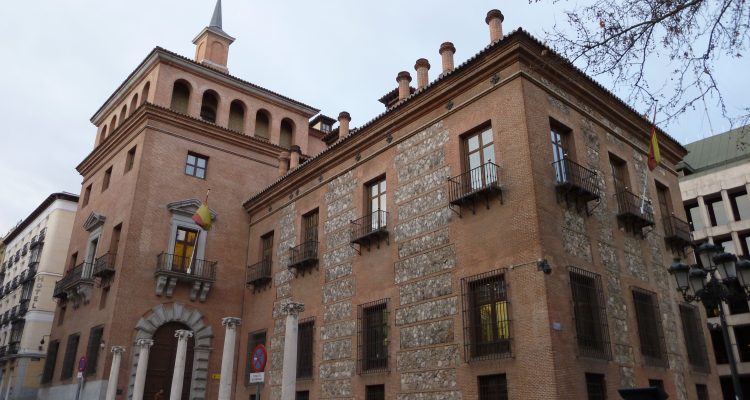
(657, 383)
(180, 96)
(310, 227)
(695, 218)
(237, 116)
(560, 147)
(103, 298)
(376, 203)
(745, 244)
(742, 336)
(114, 242)
(373, 336)
(665, 201)
(486, 321)
(70, 356)
(650, 332)
(619, 173)
(479, 150)
(107, 178)
(375, 392)
(209, 106)
(740, 205)
(86, 195)
(717, 214)
(302, 395)
(493, 387)
(196, 165)
(305, 349)
(720, 350)
(286, 136)
(253, 340)
(92, 353)
(727, 243)
(49, 363)
(590, 313)
(701, 391)
(736, 304)
(596, 388)
(61, 314)
(130, 159)
(262, 124)
(184, 247)
(266, 247)
(694, 342)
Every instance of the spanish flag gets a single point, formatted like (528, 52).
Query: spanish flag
(654, 158)
(202, 216)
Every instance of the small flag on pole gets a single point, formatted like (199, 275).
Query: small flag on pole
(654, 158)
(202, 215)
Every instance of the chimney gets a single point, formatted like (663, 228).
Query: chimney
(495, 20)
(295, 155)
(422, 66)
(283, 163)
(446, 52)
(403, 78)
(344, 119)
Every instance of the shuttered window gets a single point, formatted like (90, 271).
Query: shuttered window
(69, 360)
(592, 333)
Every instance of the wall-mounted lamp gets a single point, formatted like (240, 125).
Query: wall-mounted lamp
(543, 265)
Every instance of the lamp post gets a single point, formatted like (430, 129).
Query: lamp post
(711, 282)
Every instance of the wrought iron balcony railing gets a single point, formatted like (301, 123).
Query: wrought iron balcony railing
(259, 273)
(3, 351)
(80, 274)
(573, 179)
(480, 180)
(634, 212)
(23, 307)
(187, 268)
(371, 226)
(104, 266)
(13, 348)
(304, 255)
(676, 232)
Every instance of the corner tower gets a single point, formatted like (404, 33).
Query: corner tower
(212, 44)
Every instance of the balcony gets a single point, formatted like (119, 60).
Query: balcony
(14, 313)
(171, 269)
(479, 183)
(370, 229)
(23, 307)
(14, 347)
(633, 212)
(3, 351)
(575, 183)
(303, 256)
(676, 233)
(104, 266)
(75, 284)
(259, 274)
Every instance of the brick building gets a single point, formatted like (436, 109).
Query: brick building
(479, 239)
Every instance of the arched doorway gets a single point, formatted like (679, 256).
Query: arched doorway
(161, 363)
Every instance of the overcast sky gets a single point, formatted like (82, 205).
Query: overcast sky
(62, 59)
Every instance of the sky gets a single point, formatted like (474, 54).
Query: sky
(63, 59)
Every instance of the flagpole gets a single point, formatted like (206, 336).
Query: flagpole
(195, 250)
(645, 176)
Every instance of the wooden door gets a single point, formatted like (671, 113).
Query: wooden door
(161, 363)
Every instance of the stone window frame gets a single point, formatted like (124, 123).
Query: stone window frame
(578, 280)
(362, 328)
(468, 318)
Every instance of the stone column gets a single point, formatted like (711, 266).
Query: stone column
(143, 345)
(289, 369)
(227, 357)
(178, 375)
(114, 372)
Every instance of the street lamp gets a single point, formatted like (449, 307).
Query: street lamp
(711, 282)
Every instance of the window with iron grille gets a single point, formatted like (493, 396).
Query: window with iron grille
(694, 341)
(657, 383)
(302, 395)
(375, 392)
(486, 316)
(306, 329)
(701, 391)
(590, 313)
(493, 387)
(70, 356)
(372, 338)
(49, 363)
(310, 226)
(596, 387)
(253, 340)
(92, 354)
(650, 331)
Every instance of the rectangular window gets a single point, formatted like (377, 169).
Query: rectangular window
(86, 195)
(657, 383)
(695, 218)
(92, 354)
(266, 246)
(305, 336)
(619, 173)
(486, 316)
(130, 159)
(694, 341)
(479, 160)
(720, 352)
(69, 360)
(560, 150)
(114, 242)
(372, 340)
(196, 165)
(736, 304)
(302, 395)
(701, 391)
(589, 308)
(375, 392)
(107, 178)
(717, 214)
(596, 388)
(740, 203)
(310, 226)
(742, 336)
(184, 246)
(650, 331)
(253, 340)
(61, 314)
(493, 387)
(727, 243)
(49, 363)
(665, 206)
(376, 203)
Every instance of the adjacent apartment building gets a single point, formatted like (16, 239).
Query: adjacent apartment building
(715, 186)
(33, 262)
(482, 238)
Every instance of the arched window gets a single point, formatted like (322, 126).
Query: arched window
(237, 116)
(144, 96)
(262, 124)
(123, 113)
(180, 96)
(209, 105)
(286, 138)
(113, 123)
(134, 104)
(103, 134)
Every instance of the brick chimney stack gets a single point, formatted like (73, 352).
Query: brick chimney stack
(344, 119)
(295, 153)
(446, 52)
(283, 163)
(422, 66)
(495, 20)
(403, 78)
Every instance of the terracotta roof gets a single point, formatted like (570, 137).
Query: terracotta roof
(390, 98)
(322, 118)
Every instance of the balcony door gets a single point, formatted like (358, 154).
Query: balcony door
(479, 148)
(559, 152)
(377, 204)
(184, 247)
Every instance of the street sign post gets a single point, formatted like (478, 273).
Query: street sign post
(257, 377)
(81, 369)
(258, 365)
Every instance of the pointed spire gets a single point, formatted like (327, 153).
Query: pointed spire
(216, 18)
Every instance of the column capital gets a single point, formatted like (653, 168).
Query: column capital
(147, 343)
(293, 308)
(118, 349)
(231, 322)
(181, 334)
